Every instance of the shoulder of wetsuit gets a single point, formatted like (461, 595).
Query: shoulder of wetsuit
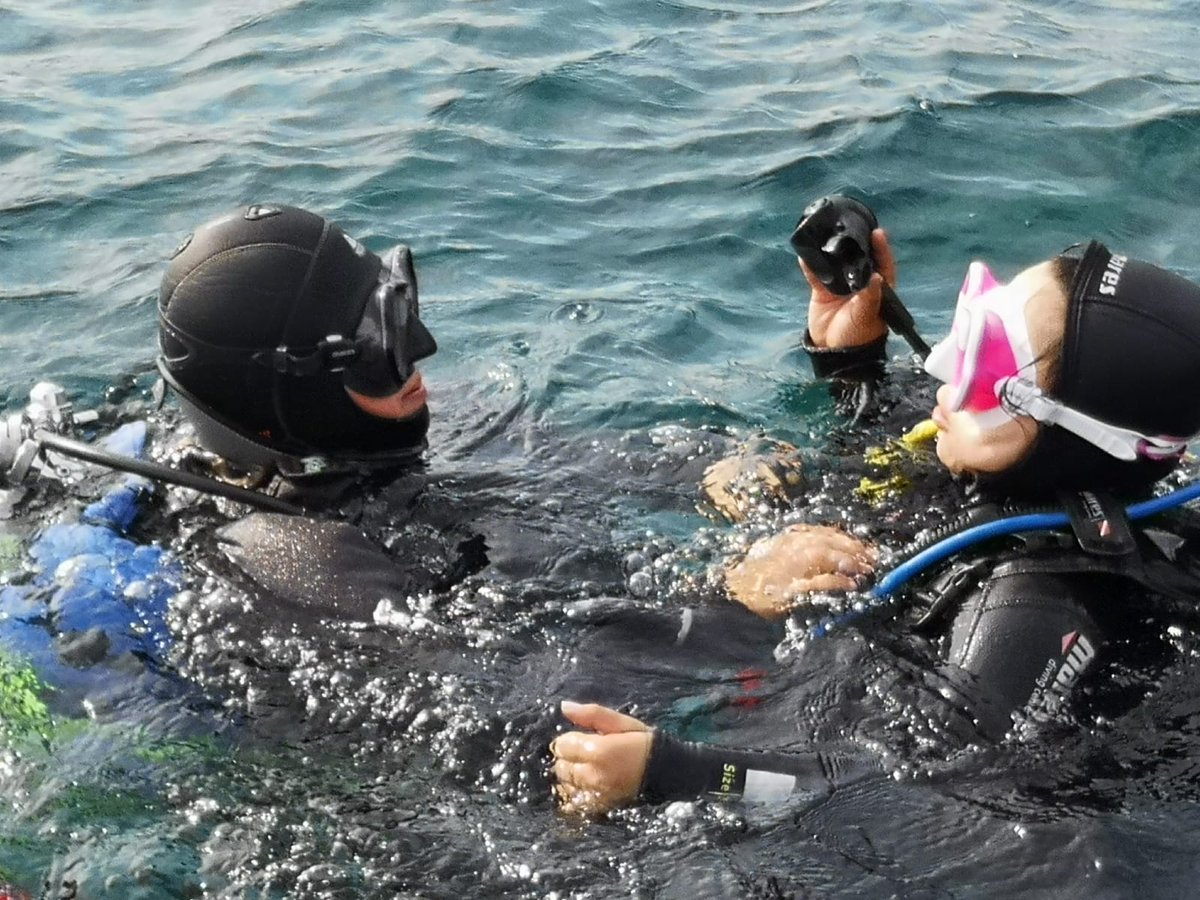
(330, 568)
(1156, 563)
(326, 566)
(940, 591)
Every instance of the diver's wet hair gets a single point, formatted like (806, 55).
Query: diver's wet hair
(1049, 360)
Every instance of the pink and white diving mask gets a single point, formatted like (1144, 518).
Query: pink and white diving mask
(988, 343)
(988, 361)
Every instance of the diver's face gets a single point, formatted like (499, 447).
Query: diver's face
(965, 447)
(403, 404)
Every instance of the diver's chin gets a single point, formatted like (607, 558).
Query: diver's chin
(404, 404)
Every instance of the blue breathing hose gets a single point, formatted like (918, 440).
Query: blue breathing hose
(1012, 525)
(887, 585)
(943, 549)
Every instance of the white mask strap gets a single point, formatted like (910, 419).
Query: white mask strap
(1021, 397)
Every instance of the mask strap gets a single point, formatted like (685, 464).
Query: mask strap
(1021, 397)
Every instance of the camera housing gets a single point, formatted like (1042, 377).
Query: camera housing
(834, 239)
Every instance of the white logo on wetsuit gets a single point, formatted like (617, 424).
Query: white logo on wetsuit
(1112, 275)
(1078, 654)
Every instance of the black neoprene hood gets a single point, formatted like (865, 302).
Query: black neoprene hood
(1130, 357)
(245, 287)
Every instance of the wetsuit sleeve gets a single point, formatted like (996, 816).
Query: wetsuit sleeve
(680, 770)
(863, 361)
(853, 372)
(1022, 641)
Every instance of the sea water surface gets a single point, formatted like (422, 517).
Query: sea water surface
(598, 196)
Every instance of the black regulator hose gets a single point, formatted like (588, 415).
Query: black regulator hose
(159, 472)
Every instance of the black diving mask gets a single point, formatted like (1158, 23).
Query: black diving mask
(390, 338)
(388, 341)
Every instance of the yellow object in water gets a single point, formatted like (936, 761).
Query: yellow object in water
(898, 451)
(876, 490)
(919, 435)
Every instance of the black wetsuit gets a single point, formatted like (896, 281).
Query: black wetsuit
(377, 583)
(1015, 623)
(420, 530)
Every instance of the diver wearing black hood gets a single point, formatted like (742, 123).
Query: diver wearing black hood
(1130, 346)
(274, 323)
(292, 349)
(1066, 386)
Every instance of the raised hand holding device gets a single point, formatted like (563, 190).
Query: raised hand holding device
(833, 238)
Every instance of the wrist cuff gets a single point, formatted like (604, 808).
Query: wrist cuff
(672, 772)
(679, 770)
(863, 361)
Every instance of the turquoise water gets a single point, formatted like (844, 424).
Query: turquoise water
(598, 195)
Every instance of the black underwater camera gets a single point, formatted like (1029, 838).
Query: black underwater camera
(833, 238)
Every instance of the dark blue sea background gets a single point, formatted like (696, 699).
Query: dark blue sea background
(598, 194)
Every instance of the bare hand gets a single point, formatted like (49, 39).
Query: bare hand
(837, 322)
(804, 558)
(735, 485)
(597, 772)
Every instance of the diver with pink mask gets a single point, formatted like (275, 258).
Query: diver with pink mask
(1063, 385)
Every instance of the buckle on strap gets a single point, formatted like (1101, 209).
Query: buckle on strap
(948, 587)
(332, 354)
(1100, 524)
